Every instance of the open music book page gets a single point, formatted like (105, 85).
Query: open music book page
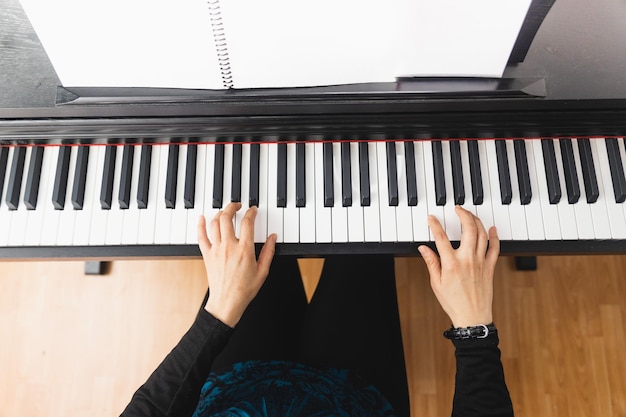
(272, 43)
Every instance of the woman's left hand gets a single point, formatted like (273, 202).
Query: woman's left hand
(234, 274)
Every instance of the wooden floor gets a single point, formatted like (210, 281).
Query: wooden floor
(75, 345)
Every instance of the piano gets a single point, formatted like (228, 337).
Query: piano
(121, 173)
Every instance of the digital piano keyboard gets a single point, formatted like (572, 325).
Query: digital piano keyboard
(118, 173)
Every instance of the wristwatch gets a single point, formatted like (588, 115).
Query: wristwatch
(480, 331)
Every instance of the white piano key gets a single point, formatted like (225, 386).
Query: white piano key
(202, 180)
(36, 217)
(582, 210)
(67, 216)
(404, 219)
(467, 178)
(371, 213)
(387, 213)
(567, 217)
(245, 179)
(519, 229)
(420, 212)
(307, 213)
(115, 221)
(614, 210)
(178, 233)
(130, 229)
(50, 224)
(622, 152)
(501, 215)
(275, 213)
(19, 217)
(261, 231)
(429, 170)
(356, 230)
(484, 211)
(323, 217)
(338, 212)
(228, 184)
(83, 219)
(599, 214)
(451, 222)
(291, 213)
(534, 217)
(163, 214)
(550, 213)
(5, 213)
(148, 216)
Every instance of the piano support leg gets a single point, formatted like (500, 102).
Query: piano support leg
(96, 268)
(526, 263)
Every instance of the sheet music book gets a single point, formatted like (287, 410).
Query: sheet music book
(218, 44)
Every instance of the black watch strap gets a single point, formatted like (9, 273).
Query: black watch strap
(480, 331)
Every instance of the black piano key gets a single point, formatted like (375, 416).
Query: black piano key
(190, 176)
(60, 178)
(411, 176)
(4, 157)
(617, 170)
(106, 192)
(218, 176)
(34, 175)
(364, 173)
(126, 176)
(235, 190)
(300, 175)
(329, 189)
(506, 191)
(255, 153)
(143, 188)
(476, 175)
(392, 173)
(588, 168)
(171, 181)
(80, 178)
(552, 173)
(572, 185)
(458, 187)
(523, 174)
(346, 175)
(15, 177)
(281, 176)
(440, 182)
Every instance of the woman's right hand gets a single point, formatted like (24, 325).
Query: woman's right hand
(462, 279)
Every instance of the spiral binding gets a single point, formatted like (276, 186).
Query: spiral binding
(221, 46)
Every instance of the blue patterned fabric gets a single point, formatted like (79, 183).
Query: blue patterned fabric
(288, 389)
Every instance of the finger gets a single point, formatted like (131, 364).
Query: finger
(247, 226)
(494, 249)
(469, 232)
(441, 238)
(433, 263)
(266, 256)
(227, 227)
(214, 229)
(203, 239)
(481, 244)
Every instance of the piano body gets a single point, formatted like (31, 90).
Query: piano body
(118, 173)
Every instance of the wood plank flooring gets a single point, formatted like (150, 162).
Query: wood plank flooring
(75, 345)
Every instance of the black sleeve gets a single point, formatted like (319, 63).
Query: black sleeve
(480, 389)
(174, 387)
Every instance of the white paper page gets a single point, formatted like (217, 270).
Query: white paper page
(127, 43)
(282, 43)
(462, 38)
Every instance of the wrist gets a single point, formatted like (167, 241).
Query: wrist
(226, 315)
(480, 331)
